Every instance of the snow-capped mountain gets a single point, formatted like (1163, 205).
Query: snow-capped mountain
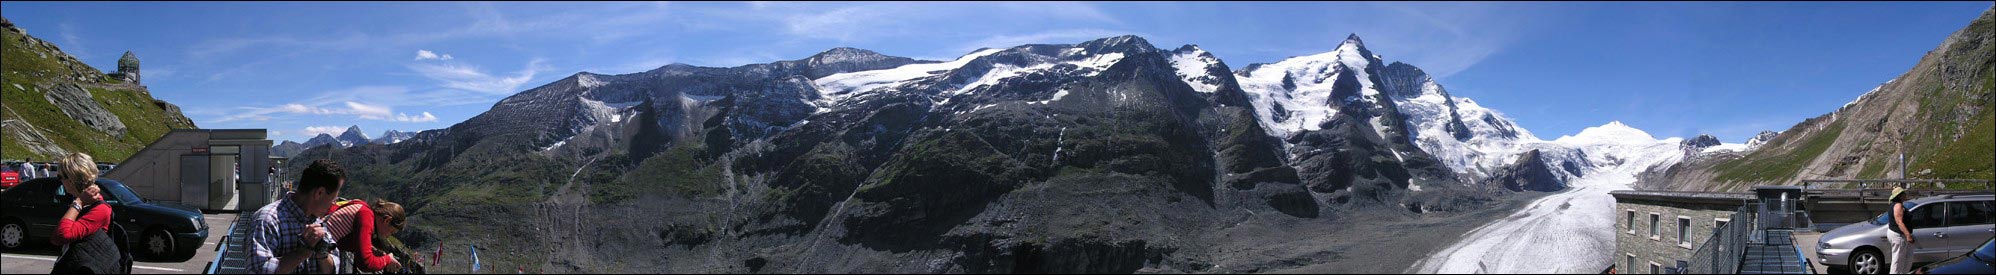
(353, 136)
(392, 137)
(872, 151)
(1302, 93)
(1329, 110)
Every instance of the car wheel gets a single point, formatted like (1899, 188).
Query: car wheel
(1867, 261)
(158, 244)
(13, 234)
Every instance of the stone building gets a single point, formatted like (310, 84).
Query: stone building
(128, 68)
(1655, 230)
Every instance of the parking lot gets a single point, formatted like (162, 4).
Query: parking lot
(37, 259)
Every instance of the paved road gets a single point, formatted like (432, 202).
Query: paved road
(38, 259)
(1806, 241)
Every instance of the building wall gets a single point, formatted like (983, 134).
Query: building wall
(1666, 248)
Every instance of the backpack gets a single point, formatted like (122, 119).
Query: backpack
(105, 252)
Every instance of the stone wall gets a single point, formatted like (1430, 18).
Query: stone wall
(1666, 247)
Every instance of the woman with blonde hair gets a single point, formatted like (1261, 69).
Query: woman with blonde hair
(90, 242)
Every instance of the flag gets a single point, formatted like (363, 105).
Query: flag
(474, 258)
(438, 257)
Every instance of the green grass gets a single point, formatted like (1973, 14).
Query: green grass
(1971, 157)
(676, 172)
(24, 68)
(1768, 166)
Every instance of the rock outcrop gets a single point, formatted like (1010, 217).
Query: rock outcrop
(55, 104)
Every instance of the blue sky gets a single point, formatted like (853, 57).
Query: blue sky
(1673, 69)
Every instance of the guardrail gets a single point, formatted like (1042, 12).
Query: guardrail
(1721, 253)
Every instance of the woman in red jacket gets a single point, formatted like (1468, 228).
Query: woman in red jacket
(86, 214)
(355, 224)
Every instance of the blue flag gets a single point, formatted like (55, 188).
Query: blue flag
(474, 258)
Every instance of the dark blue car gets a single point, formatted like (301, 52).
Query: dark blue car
(163, 231)
(1981, 261)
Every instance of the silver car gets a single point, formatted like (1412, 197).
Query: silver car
(1943, 226)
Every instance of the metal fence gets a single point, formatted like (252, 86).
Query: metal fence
(1721, 253)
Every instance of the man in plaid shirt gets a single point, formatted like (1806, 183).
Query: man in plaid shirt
(286, 236)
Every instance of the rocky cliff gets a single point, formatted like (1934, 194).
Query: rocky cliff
(55, 104)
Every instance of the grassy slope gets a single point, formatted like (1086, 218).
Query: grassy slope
(28, 67)
(1940, 142)
(1770, 165)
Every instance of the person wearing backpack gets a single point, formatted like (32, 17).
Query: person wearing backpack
(91, 243)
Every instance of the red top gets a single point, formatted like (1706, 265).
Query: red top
(360, 241)
(69, 231)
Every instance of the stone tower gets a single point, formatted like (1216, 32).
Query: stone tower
(128, 68)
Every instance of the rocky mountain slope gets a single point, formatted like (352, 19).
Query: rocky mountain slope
(1109, 155)
(1937, 114)
(1106, 156)
(55, 104)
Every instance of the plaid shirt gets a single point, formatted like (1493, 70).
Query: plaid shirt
(279, 229)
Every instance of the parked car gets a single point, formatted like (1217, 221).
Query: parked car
(9, 178)
(165, 231)
(1981, 261)
(1943, 226)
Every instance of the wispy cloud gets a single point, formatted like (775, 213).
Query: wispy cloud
(72, 44)
(338, 103)
(873, 21)
(429, 55)
(313, 131)
(470, 78)
(1446, 39)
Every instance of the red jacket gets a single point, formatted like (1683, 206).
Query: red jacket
(361, 240)
(69, 231)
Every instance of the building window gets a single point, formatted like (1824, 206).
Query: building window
(1652, 227)
(1632, 223)
(1631, 267)
(1655, 268)
(1684, 231)
(1719, 224)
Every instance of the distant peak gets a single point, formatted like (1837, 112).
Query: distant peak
(845, 51)
(1189, 48)
(1353, 39)
(355, 128)
(1122, 43)
(1613, 132)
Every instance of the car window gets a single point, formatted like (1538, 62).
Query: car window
(117, 192)
(1964, 213)
(26, 191)
(1886, 218)
(1929, 215)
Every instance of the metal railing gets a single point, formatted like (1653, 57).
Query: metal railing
(1722, 251)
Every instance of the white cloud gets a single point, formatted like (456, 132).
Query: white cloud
(351, 108)
(426, 117)
(313, 131)
(429, 55)
(469, 78)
